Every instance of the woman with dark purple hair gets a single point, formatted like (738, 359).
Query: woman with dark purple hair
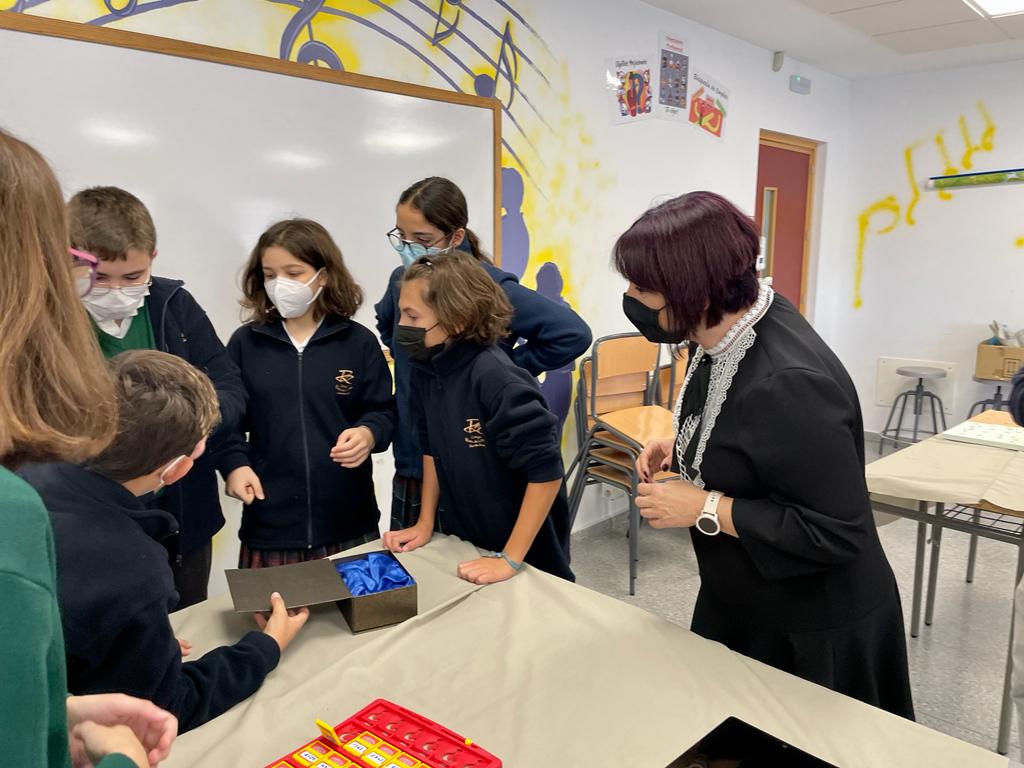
(769, 448)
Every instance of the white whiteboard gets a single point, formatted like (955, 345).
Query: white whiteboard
(219, 152)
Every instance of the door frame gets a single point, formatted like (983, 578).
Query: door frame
(807, 147)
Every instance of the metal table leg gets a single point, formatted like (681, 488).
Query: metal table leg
(1006, 713)
(933, 568)
(972, 552)
(915, 609)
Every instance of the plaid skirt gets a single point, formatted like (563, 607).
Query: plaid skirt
(405, 503)
(267, 558)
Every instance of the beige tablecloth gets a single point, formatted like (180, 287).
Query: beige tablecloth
(543, 674)
(937, 469)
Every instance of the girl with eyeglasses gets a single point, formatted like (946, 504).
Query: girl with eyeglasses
(432, 218)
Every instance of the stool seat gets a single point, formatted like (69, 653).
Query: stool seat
(917, 398)
(921, 372)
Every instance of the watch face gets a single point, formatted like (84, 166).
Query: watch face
(708, 525)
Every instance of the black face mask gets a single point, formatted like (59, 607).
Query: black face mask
(412, 341)
(646, 321)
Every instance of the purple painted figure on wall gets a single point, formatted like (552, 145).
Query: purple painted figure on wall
(557, 385)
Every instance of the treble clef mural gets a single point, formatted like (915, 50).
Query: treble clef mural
(127, 9)
(486, 47)
(312, 51)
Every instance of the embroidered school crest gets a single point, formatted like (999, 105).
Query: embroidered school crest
(344, 382)
(474, 434)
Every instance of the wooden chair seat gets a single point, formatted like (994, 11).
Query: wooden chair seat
(643, 424)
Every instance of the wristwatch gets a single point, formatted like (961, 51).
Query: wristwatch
(708, 523)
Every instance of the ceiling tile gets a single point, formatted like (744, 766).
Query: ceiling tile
(906, 14)
(836, 6)
(958, 35)
(1012, 25)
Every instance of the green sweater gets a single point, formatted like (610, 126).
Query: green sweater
(33, 720)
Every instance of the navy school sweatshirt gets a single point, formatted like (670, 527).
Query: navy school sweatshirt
(486, 425)
(115, 591)
(554, 334)
(298, 405)
(181, 327)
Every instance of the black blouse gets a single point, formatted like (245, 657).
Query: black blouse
(788, 448)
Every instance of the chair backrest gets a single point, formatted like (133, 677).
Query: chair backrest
(617, 375)
(669, 379)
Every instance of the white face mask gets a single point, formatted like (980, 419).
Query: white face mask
(111, 305)
(290, 297)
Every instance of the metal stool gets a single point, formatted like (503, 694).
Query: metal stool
(995, 403)
(919, 394)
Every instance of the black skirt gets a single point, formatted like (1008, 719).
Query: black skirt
(866, 659)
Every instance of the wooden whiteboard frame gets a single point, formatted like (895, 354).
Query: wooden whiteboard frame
(38, 25)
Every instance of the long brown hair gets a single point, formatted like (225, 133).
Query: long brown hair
(468, 303)
(309, 242)
(442, 204)
(56, 396)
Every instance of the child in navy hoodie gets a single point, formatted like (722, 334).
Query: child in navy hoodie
(114, 583)
(432, 217)
(491, 455)
(320, 402)
(131, 308)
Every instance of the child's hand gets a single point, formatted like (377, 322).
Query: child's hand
(185, 645)
(283, 625)
(154, 728)
(95, 741)
(407, 539)
(353, 446)
(486, 570)
(244, 485)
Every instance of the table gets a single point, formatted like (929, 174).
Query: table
(541, 673)
(970, 488)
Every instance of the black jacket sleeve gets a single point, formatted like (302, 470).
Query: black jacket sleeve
(386, 310)
(523, 430)
(232, 449)
(419, 413)
(1017, 397)
(555, 335)
(143, 659)
(378, 400)
(799, 432)
(207, 353)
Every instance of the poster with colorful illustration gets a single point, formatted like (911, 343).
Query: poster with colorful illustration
(709, 104)
(629, 82)
(673, 74)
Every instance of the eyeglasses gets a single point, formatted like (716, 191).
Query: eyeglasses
(397, 241)
(83, 267)
(135, 290)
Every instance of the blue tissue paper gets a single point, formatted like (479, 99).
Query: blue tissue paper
(376, 573)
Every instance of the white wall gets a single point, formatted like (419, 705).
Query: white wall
(930, 289)
(658, 157)
(591, 178)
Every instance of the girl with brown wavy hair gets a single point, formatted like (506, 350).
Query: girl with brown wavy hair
(490, 445)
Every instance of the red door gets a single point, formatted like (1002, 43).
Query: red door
(783, 200)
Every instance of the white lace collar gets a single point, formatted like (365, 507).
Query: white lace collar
(725, 356)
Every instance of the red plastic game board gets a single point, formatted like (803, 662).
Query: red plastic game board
(385, 735)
